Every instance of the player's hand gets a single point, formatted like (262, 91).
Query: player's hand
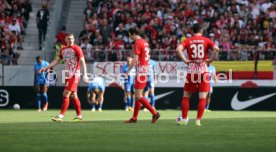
(85, 78)
(187, 61)
(208, 61)
(42, 70)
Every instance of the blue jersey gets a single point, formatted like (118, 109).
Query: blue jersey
(131, 76)
(212, 72)
(152, 64)
(37, 67)
(97, 83)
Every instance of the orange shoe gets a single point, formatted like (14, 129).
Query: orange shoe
(130, 109)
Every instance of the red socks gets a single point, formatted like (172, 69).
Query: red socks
(136, 110)
(77, 106)
(201, 108)
(146, 104)
(65, 105)
(185, 104)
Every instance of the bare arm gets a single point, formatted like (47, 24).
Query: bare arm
(180, 54)
(214, 54)
(83, 64)
(215, 78)
(133, 62)
(52, 64)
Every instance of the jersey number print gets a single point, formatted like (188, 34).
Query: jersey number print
(198, 50)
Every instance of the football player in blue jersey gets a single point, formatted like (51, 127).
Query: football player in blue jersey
(149, 90)
(213, 79)
(95, 93)
(128, 85)
(40, 83)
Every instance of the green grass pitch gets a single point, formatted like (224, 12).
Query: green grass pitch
(222, 131)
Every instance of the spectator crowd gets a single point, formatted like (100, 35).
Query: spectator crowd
(14, 16)
(231, 24)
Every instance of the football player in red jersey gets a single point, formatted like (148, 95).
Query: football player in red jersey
(72, 57)
(141, 61)
(197, 77)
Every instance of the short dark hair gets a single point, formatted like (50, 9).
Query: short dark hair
(38, 58)
(197, 28)
(134, 30)
(69, 34)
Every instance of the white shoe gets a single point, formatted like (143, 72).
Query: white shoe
(126, 109)
(146, 110)
(198, 123)
(183, 122)
(93, 109)
(100, 110)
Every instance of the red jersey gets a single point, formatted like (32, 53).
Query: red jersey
(197, 49)
(141, 48)
(71, 57)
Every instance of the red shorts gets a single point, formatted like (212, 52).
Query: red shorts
(72, 84)
(200, 81)
(140, 81)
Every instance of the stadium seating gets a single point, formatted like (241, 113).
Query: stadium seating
(234, 25)
(13, 22)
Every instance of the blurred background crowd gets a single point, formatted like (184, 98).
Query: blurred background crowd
(236, 26)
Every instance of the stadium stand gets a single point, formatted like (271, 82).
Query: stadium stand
(237, 26)
(13, 22)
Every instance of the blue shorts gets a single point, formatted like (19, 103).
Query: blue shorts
(41, 82)
(150, 85)
(94, 86)
(129, 87)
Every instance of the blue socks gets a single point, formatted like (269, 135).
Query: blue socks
(100, 106)
(207, 106)
(152, 99)
(132, 102)
(45, 96)
(38, 100)
(128, 102)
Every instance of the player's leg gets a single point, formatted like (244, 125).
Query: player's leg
(100, 100)
(127, 100)
(77, 106)
(201, 107)
(146, 91)
(203, 88)
(38, 97)
(64, 106)
(185, 105)
(132, 102)
(45, 97)
(152, 95)
(140, 84)
(127, 95)
(93, 101)
(189, 88)
(146, 95)
(208, 102)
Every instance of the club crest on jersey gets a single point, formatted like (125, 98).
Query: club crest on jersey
(68, 53)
